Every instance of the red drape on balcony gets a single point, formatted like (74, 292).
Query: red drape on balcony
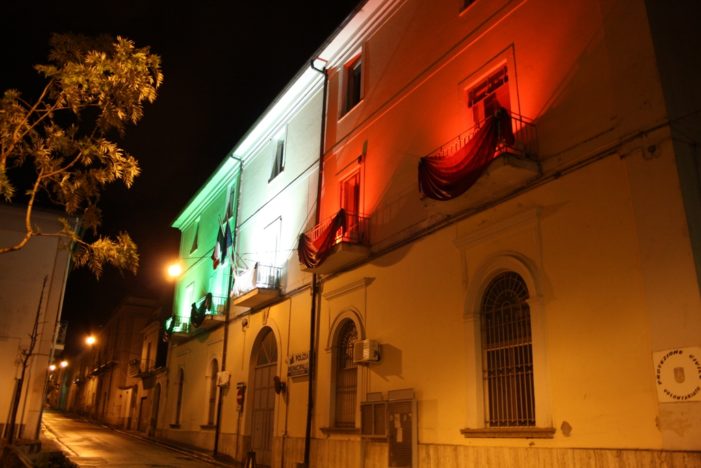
(312, 252)
(447, 177)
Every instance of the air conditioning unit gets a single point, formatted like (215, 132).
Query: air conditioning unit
(365, 351)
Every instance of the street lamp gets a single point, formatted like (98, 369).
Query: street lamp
(174, 270)
(90, 340)
(63, 364)
(52, 367)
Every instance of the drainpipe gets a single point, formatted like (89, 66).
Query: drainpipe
(315, 279)
(220, 400)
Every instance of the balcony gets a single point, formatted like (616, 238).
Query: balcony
(144, 370)
(514, 162)
(257, 286)
(214, 313)
(181, 329)
(348, 246)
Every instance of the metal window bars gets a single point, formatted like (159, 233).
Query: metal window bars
(507, 353)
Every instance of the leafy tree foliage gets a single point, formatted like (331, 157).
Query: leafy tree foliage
(94, 89)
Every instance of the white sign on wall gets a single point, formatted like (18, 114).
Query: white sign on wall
(678, 374)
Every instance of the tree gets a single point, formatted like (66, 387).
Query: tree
(64, 139)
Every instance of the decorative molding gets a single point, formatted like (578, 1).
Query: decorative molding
(340, 430)
(364, 282)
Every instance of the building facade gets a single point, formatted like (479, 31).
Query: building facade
(32, 284)
(499, 265)
(112, 380)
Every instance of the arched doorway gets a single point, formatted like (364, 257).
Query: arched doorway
(262, 399)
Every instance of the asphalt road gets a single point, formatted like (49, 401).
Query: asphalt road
(91, 445)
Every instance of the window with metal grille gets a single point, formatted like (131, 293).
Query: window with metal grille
(214, 369)
(506, 352)
(346, 376)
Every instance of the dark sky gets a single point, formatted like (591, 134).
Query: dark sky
(223, 64)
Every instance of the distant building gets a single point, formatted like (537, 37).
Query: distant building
(22, 274)
(499, 266)
(108, 379)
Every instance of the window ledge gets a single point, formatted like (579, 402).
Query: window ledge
(340, 430)
(374, 438)
(174, 426)
(510, 432)
(208, 426)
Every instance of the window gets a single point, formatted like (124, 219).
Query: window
(147, 363)
(465, 3)
(350, 202)
(488, 95)
(179, 401)
(212, 403)
(346, 382)
(195, 238)
(353, 78)
(279, 160)
(269, 256)
(350, 194)
(231, 202)
(188, 299)
(373, 416)
(507, 357)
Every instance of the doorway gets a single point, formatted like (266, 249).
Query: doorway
(263, 397)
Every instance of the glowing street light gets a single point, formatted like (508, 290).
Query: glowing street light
(52, 367)
(174, 270)
(63, 364)
(90, 340)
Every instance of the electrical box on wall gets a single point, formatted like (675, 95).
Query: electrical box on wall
(366, 351)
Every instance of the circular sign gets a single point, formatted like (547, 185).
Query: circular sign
(678, 374)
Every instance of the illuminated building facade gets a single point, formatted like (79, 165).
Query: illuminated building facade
(110, 380)
(504, 247)
(32, 281)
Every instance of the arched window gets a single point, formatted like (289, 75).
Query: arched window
(507, 356)
(346, 382)
(179, 401)
(212, 403)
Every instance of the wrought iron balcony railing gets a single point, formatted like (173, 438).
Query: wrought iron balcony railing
(355, 230)
(217, 306)
(258, 277)
(525, 140)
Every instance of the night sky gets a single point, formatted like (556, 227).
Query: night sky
(223, 64)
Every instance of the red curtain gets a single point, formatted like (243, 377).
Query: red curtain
(313, 252)
(447, 177)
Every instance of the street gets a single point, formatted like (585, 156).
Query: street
(88, 444)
